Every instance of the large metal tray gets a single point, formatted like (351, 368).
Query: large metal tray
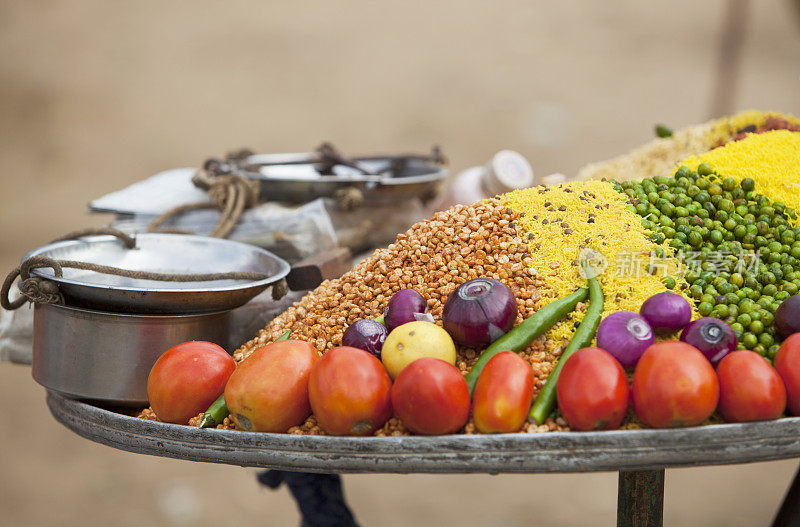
(161, 253)
(503, 453)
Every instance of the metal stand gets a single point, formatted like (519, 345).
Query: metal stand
(789, 513)
(640, 501)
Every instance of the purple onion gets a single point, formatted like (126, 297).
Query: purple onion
(787, 317)
(625, 335)
(666, 312)
(365, 334)
(478, 312)
(402, 307)
(713, 337)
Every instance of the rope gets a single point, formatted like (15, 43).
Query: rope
(230, 193)
(127, 241)
(33, 289)
(348, 198)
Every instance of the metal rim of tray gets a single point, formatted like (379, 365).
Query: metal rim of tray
(503, 453)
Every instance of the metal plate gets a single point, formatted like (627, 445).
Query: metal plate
(162, 253)
(502, 453)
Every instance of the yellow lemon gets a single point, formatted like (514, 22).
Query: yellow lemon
(413, 341)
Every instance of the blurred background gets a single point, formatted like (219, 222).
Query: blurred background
(97, 95)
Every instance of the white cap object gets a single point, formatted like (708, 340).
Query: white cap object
(508, 170)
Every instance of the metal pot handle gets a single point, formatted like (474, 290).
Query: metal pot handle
(311, 272)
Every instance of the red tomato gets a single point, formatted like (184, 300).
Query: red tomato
(787, 363)
(268, 392)
(431, 397)
(593, 390)
(749, 388)
(186, 379)
(674, 385)
(503, 394)
(349, 391)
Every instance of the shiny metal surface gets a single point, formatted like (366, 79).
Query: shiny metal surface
(162, 253)
(497, 453)
(107, 356)
(293, 177)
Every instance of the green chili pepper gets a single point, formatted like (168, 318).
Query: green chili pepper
(546, 400)
(530, 329)
(215, 414)
(380, 319)
(218, 410)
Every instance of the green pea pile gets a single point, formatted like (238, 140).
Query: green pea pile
(740, 251)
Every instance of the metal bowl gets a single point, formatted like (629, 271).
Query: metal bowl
(161, 253)
(107, 357)
(295, 178)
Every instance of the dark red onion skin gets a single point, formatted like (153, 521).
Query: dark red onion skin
(713, 337)
(478, 312)
(615, 337)
(787, 317)
(402, 306)
(366, 334)
(666, 312)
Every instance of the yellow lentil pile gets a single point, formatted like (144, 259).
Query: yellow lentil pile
(771, 159)
(561, 222)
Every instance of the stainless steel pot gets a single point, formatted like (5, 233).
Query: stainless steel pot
(100, 356)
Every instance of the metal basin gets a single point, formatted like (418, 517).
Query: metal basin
(161, 253)
(294, 177)
(107, 356)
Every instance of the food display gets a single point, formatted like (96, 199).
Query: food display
(186, 379)
(663, 296)
(593, 392)
(749, 388)
(350, 392)
(431, 397)
(415, 340)
(674, 385)
(269, 393)
(503, 393)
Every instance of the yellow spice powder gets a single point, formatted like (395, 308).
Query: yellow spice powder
(562, 222)
(771, 159)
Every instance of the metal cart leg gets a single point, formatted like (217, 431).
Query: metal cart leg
(319, 497)
(789, 513)
(640, 501)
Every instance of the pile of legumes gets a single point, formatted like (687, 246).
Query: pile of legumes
(482, 319)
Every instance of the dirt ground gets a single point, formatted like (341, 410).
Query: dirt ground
(96, 95)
